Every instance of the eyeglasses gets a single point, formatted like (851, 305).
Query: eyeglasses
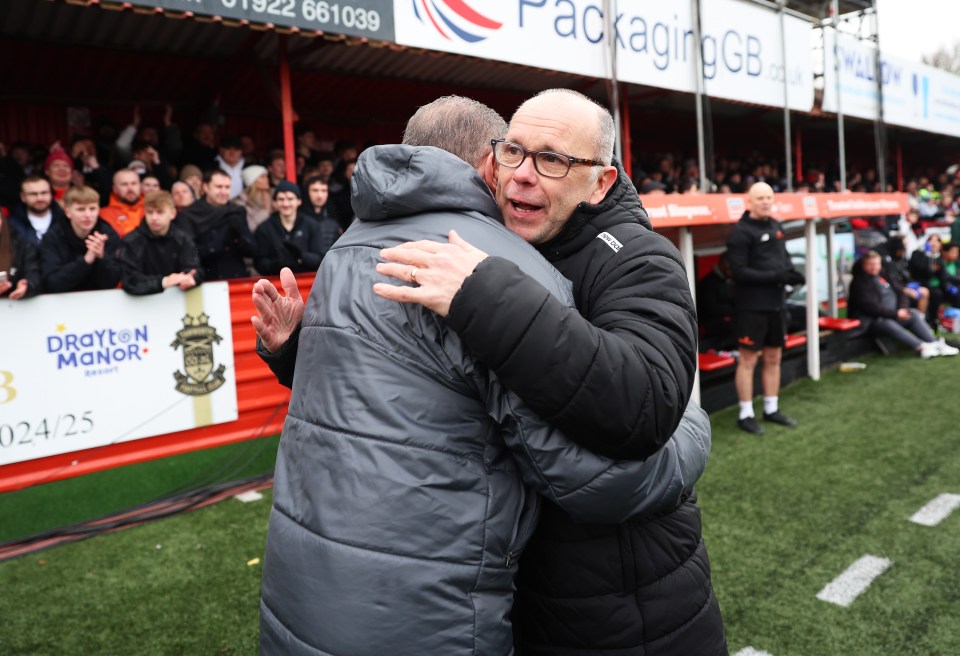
(547, 163)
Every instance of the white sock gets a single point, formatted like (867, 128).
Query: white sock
(746, 409)
(771, 404)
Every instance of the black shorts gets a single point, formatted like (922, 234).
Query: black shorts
(754, 330)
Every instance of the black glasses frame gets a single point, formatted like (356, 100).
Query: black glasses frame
(569, 159)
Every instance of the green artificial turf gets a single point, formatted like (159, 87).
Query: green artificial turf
(43, 507)
(178, 586)
(784, 514)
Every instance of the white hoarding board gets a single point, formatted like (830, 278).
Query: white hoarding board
(655, 43)
(89, 369)
(914, 95)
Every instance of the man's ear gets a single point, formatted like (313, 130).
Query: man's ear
(488, 171)
(604, 182)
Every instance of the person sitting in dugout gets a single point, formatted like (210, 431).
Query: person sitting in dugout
(157, 254)
(81, 253)
(288, 238)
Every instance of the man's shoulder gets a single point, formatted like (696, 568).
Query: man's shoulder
(627, 241)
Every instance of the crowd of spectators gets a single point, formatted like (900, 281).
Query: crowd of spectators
(146, 208)
(229, 201)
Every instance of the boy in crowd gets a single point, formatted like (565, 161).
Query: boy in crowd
(288, 238)
(81, 253)
(157, 254)
(318, 193)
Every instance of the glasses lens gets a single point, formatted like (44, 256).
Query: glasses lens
(552, 165)
(509, 154)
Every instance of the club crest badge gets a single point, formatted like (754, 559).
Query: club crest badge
(197, 338)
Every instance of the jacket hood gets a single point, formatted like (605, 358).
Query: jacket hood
(620, 205)
(397, 180)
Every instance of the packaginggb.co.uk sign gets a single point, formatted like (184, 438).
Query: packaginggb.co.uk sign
(742, 55)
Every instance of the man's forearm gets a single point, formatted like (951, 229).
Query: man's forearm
(283, 361)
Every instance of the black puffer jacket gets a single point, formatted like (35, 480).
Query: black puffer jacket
(615, 379)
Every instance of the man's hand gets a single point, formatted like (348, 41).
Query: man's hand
(278, 315)
(438, 269)
(172, 280)
(95, 243)
(4, 286)
(188, 280)
(903, 314)
(20, 291)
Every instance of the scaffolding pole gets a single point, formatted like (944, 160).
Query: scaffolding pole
(698, 75)
(610, 13)
(787, 156)
(835, 9)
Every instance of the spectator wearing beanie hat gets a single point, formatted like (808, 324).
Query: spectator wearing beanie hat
(255, 197)
(289, 238)
(58, 168)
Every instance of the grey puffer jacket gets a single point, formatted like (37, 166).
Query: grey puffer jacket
(406, 477)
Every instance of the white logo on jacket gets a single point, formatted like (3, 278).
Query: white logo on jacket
(610, 241)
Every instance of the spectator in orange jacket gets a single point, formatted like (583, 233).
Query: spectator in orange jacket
(125, 211)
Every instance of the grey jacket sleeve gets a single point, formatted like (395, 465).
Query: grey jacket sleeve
(592, 488)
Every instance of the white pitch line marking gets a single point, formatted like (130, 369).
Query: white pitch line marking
(937, 510)
(750, 651)
(248, 496)
(854, 580)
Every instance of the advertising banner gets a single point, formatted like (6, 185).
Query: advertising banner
(678, 210)
(369, 18)
(654, 39)
(74, 379)
(914, 95)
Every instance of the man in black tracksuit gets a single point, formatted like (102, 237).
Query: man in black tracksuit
(757, 252)
(615, 374)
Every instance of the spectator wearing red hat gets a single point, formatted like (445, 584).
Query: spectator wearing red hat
(59, 170)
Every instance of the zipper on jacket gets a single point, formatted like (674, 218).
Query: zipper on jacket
(527, 523)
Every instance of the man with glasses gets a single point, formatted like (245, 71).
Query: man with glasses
(615, 377)
(405, 478)
(38, 212)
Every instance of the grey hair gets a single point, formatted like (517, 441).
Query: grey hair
(459, 125)
(606, 131)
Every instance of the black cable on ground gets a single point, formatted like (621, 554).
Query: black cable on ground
(150, 511)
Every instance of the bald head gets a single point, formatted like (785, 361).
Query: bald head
(459, 125)
(580, 112)
(760, 200)
(126, 185)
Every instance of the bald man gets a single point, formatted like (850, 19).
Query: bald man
(757, 252)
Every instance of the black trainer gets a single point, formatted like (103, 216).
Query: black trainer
(780, 418)
(751, 425)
